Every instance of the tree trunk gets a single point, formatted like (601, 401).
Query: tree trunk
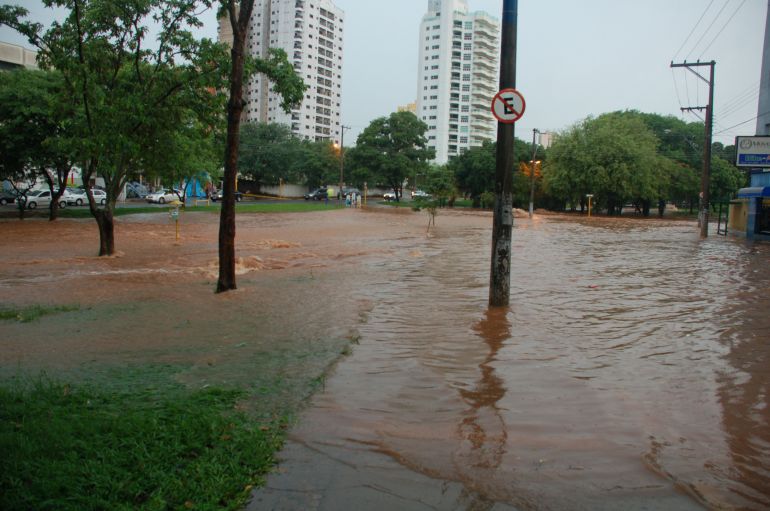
(226, 280)
(106, 223)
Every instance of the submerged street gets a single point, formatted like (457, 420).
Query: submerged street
(630, 372)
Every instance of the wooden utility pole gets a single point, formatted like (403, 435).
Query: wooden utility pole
(703, 216)
(502, 226)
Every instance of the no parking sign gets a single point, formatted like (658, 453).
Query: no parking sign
(508, 106)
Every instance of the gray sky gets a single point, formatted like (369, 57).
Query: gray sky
(575, 59)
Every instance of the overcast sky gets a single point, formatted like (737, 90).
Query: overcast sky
(575, 58)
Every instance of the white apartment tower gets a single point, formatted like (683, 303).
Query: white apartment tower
(311, 34)
(458, 76)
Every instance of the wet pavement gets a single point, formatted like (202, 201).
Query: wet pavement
(630, 372)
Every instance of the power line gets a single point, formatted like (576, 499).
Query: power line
(693, 30)
(709, 27)
(744, 122)
(723, 29)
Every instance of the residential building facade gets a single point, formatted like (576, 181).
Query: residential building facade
(311, 33)
(458, 72)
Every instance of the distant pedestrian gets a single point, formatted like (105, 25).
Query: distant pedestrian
(326, 197)
(353, 199)
(347, 200)
(358, 200)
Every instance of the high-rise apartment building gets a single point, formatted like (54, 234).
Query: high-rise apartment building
(311, 34)
(458, 76)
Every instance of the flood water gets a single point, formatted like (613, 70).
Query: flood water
(629, 372)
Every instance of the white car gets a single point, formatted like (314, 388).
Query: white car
(78, 197)
(389, 196)
(162, 196)
(41, 198)
(420, 194)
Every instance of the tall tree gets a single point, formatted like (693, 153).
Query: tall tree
(613, 157)
(286, 82)
(269, 153)
(126, 97)
(34, 124)
(391, 149)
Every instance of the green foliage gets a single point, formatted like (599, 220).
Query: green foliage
(33, 312)
(128, 96)
(725, 180)
(440, 184)
(613, 157)
(320, 164)
(390, 150)
(475, 171)
(268, 153)
(80, 448)
(34, 124)
(632, 157)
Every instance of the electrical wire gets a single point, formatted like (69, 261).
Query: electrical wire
(722, 29)
(709, 27)
(692, 31)
(742, 123)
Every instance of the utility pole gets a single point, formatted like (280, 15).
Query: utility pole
(703, 216)
(535, 132)
(342, 160)
(502, 224)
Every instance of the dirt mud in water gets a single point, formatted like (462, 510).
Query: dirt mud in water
(630, 371)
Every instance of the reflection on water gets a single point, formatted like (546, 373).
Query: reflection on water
(630, 371)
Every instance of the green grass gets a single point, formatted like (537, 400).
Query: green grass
(151, 448)
(291, 207)
(33, 312)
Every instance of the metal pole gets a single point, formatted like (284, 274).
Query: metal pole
(342, 160)
(502, 225)
(532, 175)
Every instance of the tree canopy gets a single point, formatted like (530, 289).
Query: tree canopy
(390, 150)
(34, 125)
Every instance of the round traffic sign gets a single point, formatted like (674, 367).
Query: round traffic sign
(508, 106)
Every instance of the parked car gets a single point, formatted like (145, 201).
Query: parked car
(7, 198)
(418, 194)
(389, 196)
(318, 194)
(221, 194)
(78, 197)
(100, 196)
(41, 198)
(162, 196)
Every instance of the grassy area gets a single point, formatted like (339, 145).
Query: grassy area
(242, 207)
(143, 447)
(120, 431)
(31, 313)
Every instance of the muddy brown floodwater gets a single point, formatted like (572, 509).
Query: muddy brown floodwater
(630, 372)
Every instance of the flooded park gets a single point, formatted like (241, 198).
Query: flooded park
(629, 372)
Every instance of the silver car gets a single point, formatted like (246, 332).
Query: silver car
(41, 198)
